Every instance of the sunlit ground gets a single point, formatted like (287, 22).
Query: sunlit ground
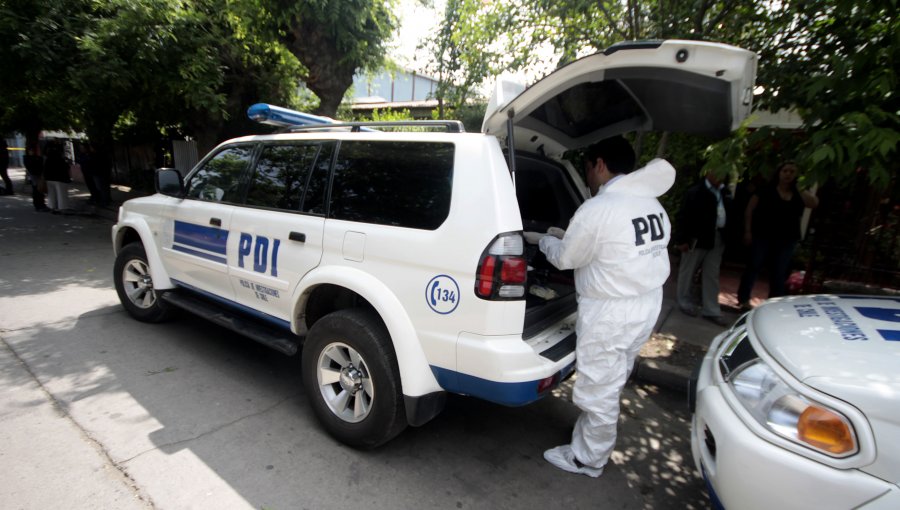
(653, 448)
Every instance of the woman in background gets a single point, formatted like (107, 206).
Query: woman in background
(772, 229)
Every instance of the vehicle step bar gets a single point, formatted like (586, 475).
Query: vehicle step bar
(278, 339)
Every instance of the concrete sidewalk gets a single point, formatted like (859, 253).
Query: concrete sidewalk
(679, 340)
(683, 338)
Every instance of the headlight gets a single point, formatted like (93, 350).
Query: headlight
(779, 408)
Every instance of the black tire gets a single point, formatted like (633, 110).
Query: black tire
(134, 286)
(351, 378)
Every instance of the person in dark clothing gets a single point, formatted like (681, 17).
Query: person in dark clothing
(699, 236)
(34, 169)
(56, 173)
(4, 167)
(102, 171)
(772, 229)
(86, 158)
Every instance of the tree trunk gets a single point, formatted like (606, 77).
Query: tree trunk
(330, 73)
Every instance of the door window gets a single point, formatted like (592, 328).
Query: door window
(281, 175)
(219, 180)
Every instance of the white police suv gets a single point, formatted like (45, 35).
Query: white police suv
(798, 406)
(395, 260)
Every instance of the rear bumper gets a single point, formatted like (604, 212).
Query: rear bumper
(508, 370)
(506, 393)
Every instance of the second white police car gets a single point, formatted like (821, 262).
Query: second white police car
(798, 406)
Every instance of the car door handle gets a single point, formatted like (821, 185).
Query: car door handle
(297, 236)
(216, 222)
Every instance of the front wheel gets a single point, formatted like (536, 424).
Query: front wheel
(134, 285)
(351, 378)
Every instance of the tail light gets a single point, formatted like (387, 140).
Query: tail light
(502, 270)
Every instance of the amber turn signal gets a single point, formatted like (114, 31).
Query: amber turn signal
(825, 430)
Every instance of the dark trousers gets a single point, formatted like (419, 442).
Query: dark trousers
(7, 183)
(37, 198)
(102, 184)
(778, 254)
(91, 181)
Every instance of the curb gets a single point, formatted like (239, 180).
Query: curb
(662, 374)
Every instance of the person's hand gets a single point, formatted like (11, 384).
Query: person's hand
(683, 248)
(748, 238)
(533, 237)
(556, 232)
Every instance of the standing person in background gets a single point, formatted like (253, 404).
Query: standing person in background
(86, 159)
(102, 170)
(4, 167)
(617, 244)
(34, 169)
(56, 173)
(699, 236)
(772, 229)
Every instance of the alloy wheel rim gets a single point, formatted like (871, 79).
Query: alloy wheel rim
(138, 284)
(344, 382)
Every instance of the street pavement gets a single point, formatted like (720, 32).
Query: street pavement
(101, 411)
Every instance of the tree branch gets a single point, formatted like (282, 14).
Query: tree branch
(610, 20)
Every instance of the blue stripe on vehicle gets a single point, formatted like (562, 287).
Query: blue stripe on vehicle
(201, 254)
(508, 394)
(199, 236)
(891, 335)
(275, 321)
(713, 497)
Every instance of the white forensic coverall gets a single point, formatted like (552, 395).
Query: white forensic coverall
(617, 244)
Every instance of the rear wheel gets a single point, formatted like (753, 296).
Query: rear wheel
(134, 285)
(351, 378)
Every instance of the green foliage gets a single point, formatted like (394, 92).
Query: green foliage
(139, 68)
(834, 62)
(333, 39)
(38, 40)
(391, 115)
(470, 114)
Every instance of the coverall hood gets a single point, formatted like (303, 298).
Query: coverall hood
(652, 180)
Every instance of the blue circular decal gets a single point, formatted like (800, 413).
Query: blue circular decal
(442, 294)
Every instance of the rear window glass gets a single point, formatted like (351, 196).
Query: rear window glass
(405, 184)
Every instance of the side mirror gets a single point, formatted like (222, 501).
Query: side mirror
(168, 182)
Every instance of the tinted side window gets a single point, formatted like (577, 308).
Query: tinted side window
(405, 184)
(314, 200)
(280, 176)
(219, 180)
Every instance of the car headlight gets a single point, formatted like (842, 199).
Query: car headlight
(781, 409)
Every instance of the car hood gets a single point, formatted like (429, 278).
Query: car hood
(679, 86)
(847, 347)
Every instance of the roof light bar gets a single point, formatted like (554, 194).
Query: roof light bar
(284, 117)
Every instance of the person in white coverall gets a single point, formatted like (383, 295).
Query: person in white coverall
(617, 244)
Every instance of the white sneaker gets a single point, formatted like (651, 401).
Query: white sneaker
(564, 458)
